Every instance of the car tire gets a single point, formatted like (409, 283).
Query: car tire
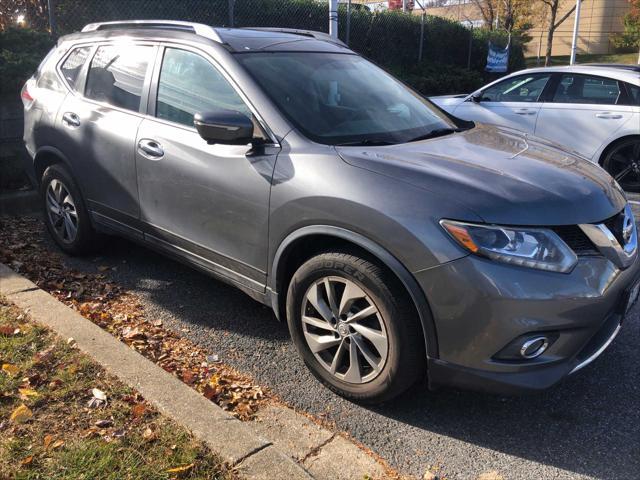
(342, 340)
(622, 161)
(65, 214)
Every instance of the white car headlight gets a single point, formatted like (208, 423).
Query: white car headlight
(527, 247)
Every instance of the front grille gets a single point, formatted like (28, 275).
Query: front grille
(577, 241)
(614, 224)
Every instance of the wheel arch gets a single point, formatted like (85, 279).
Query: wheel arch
(613, 144)
(302, 244)
(47, 156)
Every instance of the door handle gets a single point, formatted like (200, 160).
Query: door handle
(609, 116)
(525, 111)
(150, 149)
(70, 119)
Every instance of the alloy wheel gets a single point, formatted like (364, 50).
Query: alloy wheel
(61, 209)
(624, 165)
(344, 330)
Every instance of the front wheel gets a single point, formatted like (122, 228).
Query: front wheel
(355, 327)
(622, 162)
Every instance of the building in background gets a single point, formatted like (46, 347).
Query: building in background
(599, 21)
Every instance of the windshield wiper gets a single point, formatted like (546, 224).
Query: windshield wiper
(370, 142)
(439, 132)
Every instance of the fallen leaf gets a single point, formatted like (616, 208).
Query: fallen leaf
(99, 394)
(57, 444)
(103, 268)
(10, 369)
(26, 460)
(183, 469)
(490, 475)
(149, 435)
(103, 423)
(47, 441)
(21, 414)
(8, 330)
(27, 392)
(138, 410)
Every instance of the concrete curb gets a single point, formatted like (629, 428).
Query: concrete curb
(233, 440)
(280, 444)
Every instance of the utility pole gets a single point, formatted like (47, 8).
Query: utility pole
(333, 18)
(52, 17)
(348, 37)
(576, 27)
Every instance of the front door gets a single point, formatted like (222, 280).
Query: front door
(209, 202)
(512, 103)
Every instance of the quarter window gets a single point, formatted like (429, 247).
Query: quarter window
(586, 89)
(189, 84)
(73, 64)
(524, 88)
(116, 75)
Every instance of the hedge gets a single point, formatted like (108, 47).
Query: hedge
(389, 38)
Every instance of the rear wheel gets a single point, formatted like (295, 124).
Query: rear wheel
(355, 327)
(65, 214)
(622, 162)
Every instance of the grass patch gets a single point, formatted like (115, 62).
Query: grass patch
(64, 436)
(626, 58)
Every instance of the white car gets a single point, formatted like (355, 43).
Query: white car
(593, 110)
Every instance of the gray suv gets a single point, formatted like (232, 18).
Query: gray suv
(398, 242)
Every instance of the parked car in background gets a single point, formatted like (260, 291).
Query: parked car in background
(395, 240)
(593, 110)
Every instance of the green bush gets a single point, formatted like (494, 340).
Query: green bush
(21, 51)
(390, 38)
(441, 79)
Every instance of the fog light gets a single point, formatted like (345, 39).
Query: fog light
(534, 347)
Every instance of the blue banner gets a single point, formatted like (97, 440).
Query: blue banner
(498, 59)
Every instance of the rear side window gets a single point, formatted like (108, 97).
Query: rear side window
(116, 75)
(634, 94)
(189, 84)
(73, 64)
(586, 89)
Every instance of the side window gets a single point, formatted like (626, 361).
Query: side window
(634, 94)
(189, 84)
(524, 88)
(116, 75)
(586, 89)
(73, 64)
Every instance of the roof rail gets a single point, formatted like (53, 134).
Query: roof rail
(304, 33)
(197, 28)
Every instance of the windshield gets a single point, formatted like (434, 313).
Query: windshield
(343, 99)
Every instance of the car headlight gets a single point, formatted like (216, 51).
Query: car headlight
(527, 247)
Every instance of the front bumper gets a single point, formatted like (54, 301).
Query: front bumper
(480, 306)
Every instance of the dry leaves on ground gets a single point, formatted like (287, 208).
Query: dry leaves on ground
(120, 313)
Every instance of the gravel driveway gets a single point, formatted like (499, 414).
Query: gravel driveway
(587, 427)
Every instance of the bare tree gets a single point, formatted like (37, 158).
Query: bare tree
(553, 6)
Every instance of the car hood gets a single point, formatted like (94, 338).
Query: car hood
(501, 175)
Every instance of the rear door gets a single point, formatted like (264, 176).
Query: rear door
(209, 203)
(583, 112)
(514, 102)
(100, 127)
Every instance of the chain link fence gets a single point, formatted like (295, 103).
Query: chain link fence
(392, 38)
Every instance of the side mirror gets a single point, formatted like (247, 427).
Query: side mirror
(476, 97)
(224, 126)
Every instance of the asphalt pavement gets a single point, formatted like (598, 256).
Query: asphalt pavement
(586, 427)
